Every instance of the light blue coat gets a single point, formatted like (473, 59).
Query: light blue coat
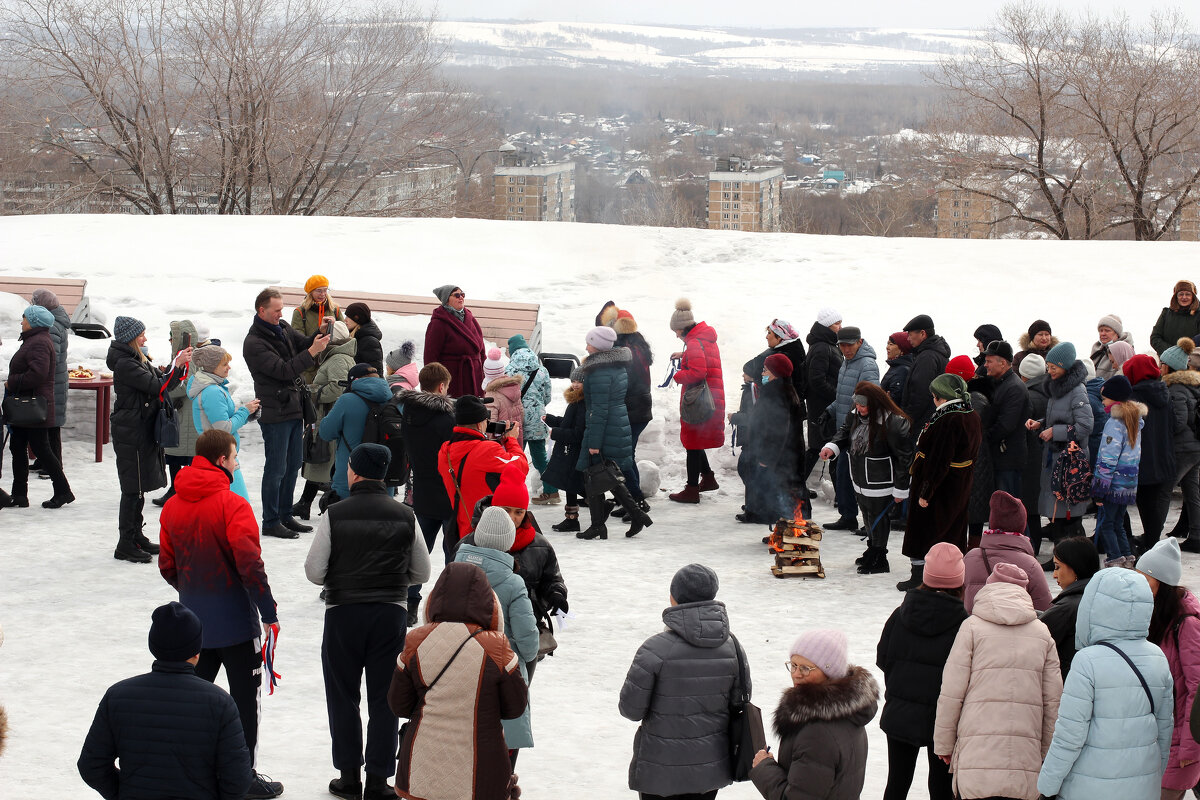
(212, 403)
(1107, 744)
(1115, 477)
(345, 422)
(519, 624)
(524, 363)
(863, 367)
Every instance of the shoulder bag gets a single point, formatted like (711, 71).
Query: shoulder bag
(24, 412)
(746, 735)
(1141, 678)
(697, 405)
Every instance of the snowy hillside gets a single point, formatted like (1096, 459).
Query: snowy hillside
(75, 620)
(583, 44)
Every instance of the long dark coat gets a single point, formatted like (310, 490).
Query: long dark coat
(608, 429)
(137, 384)
(31, 370)
(942, 471)
(457, 346)
(567, 433)
(427, 423)
(62, 380)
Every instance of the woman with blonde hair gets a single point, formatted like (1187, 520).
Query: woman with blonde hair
(314, 311)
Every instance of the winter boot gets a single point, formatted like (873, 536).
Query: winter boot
(162, 499)
(638, 517)
(843, 524)
(414, 613)
(303, 507)
(627, 517)
(918, 574)
(876, 562)
(598, 508)
(570, 523)
(145, 544)
(544, 499)
(15, 501)
(708, 482)
(127, 550)
(690, 494)
(60, 500)
(864, 557)
(348, 787)
(377, 788)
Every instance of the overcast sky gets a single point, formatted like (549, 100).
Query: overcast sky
(749, 13)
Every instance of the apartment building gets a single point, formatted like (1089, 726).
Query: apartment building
(962, 213)
(526, 190)
(743, 198)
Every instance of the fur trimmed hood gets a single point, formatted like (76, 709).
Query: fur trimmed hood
(573, 395)
(1123, 410)
(429, 400)
(1174, 304)
(1186, 377)
(854, 698)
(617, 355)
(1024, 342)
(500, 383)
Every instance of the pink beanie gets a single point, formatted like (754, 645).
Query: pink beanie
(944, 567)
(1119, 352)
(493, 368)
(826, 648)
(1009, 573)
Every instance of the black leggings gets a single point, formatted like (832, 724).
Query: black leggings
(902, 763)
(697, 462)
(38, 440)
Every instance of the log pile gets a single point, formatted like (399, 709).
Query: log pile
(796, 545)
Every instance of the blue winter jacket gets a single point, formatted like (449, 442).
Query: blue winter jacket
(863, 367)
(1099, 417)
(346, 420)
(212, 402)
(519, 624)
(524, 363)
(1108, 744)
(1115, 478)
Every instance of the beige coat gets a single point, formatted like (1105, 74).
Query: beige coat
(999, 701)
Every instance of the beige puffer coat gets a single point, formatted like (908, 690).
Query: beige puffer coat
(999, 700)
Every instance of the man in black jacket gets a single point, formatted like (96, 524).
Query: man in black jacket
(820, 387)
(930, 354)
(174, 734)
(366, 552)
(277, 356)
(1004, 424)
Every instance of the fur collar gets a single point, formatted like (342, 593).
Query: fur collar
(573, 395)
(855, 695)
(1122, 410)
(618, 356)
(1075, 376)
(1187, 377)
(434, 402)
(1024, 341)
(500, 383)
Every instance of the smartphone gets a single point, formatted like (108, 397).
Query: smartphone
(187, 341)
(327, 330)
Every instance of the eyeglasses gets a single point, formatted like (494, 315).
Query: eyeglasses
(459, 294)
(802, 669)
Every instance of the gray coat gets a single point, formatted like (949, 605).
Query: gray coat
(179, 395)
(863, 367)
(58, 335)
(1068, 405)
(680, 686)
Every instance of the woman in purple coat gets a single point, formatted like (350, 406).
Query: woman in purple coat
(455, 340)
(31, 374)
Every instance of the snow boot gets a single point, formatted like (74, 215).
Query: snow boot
(348, 787)
(570, 523)
(638, 517)
(145, 544)
(598, 508)
(544, 499)
(918, 574)
(303, 507)
(863, 558)
(843, 524)
(690, 494)
(377, 788)
(876, 562)
(127, 550)
(708, 482)
(15, 501)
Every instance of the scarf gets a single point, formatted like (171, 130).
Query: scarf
(276, 330)
(461, 315)
(949, 407)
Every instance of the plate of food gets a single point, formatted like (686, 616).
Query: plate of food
(81, 373)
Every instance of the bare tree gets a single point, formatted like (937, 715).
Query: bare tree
(237, 106)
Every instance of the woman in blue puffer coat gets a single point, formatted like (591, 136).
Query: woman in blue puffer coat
(212, 404)
(1113, 737)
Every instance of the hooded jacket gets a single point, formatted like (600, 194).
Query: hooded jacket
(453, 746)
(522, 364)
(1000, 695)
(426, 424)
(1004, 548)
(1184, 388)
(62, 379)
(895, 380)
(822, 740)
(1181, 646)
(912, 653)
(505, 393)
(212, 556)
(1115, 477)
(1109, 744)
(930, 358)
(458, 346)
(680, 687)
(702, 362)
(345, 422)
(470, 467)
(370, 345)
(637, 398)
(607, 429)
(862, 367)
(534, 561)
(821, 370)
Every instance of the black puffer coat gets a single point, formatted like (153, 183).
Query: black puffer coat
(567, 433)
(176, 735)
(912, 652)
(821, 370)
(679, 687)
(1158, 436)
(637, 397)
(895, 380)
(276, 360)
(138, 384)
(426, 425)
(1185, 396)
(536, 563)
(929, 360)
(62, 380)
(1060, 618)
(370, 345)
(1004, 425)
(31, 371)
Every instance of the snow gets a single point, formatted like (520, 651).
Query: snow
(75, 620)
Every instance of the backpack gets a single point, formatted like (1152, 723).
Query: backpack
(1071, 478)
(384, 426)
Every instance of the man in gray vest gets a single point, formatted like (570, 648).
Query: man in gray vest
(365, 553)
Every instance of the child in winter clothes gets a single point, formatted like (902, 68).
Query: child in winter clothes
(535, 396)
(912, 653)
(493, 367)
(821, 723)
(1000, 693)
(1175, 627)
(402, 372)
(1115, 483)
(505, 394)
(567, 432)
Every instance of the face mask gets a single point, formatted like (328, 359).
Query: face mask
(765, 379)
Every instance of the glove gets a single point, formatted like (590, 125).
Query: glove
(558, 599)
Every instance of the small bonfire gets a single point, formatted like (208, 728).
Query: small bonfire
(796, 545)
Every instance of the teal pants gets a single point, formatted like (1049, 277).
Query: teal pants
(537, 454)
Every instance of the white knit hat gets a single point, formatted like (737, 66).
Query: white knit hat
(829, 316)
(495, 530)
(1032, 365)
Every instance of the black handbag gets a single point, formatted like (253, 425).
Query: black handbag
(166, 426)
(746, 734)
(25, 412)
(316, 449)
(308, 409)
(601, 476)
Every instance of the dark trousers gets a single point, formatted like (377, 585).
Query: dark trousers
(637, 429)
(843, 488)
(429, 529)
(55, 437)
(877, 518)
(129, 518)
(697, 463)
(174, 464)
(362, 637)
(695, 796)
(283, 453)
(38, 440)
(1153, 501)
(243, 672)
(902, 763)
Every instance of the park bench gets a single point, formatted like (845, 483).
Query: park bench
(72, 296)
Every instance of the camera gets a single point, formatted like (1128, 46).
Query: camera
(496, 429)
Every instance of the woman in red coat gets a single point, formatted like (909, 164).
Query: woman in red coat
(455, 340)
(701, 361)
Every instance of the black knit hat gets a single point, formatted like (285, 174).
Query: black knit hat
(370, 461)
(986, 334)
(469, 410)
(175, 633)
(1038, 326)
(1078, 553)
(360, 371)
(359, 312)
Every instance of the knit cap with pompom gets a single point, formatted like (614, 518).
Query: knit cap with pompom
(1176, 357)
(682, 318)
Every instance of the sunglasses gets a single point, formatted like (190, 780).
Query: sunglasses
(459, 294)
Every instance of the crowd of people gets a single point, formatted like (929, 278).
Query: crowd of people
(1014, 692)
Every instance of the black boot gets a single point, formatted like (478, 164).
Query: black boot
(348, 787)
(1052, 532)
(864, 557)
(570, 523)
(414, 613)
(843, 524)
(145, 544)
(377, 788)
(918, 572)
(303, 507)
(127, 550)
(637, 515)
(598, 509)
(876, 562)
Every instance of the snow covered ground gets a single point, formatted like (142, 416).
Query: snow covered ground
(75, 620)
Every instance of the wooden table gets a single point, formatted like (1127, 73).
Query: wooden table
(103, 389)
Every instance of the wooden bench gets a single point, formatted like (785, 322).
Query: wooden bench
(498, 320)
(71, 293)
